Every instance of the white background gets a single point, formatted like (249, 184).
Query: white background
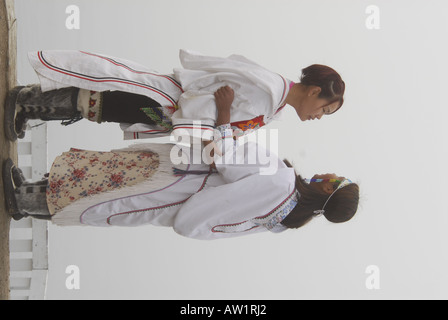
(390, 137)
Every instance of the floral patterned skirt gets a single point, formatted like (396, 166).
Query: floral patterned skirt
(78, 173)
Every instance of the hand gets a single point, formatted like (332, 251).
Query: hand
(224, 97)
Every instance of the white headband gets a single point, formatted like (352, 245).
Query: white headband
(343, 184)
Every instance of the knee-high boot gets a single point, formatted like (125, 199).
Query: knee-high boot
(25, 103)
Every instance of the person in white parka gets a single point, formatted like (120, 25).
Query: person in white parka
(78, 84)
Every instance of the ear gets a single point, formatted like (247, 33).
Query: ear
(328, 188)
(314, 91)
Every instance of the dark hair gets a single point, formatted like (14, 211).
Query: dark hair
(331, 84)
(341, 207)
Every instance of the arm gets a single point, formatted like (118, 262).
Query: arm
(246, 203)
(229, 157)
(224, 97)
(212, 212)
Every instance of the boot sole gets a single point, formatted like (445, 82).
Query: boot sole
(10, 115)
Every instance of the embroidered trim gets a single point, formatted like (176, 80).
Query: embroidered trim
(95, 107)
(158, 117)
(251, 124)
(268, 220)
(280, 212)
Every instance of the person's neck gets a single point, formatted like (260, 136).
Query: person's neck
(295, 95)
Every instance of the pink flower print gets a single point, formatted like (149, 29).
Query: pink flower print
(55, 186)
(93, 160)
(91, 115)
(132, 164)
(79, 173)
(145, 155)
(116, 178)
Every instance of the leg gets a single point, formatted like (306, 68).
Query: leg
(72, 104)
(121, 107)
(124, 107)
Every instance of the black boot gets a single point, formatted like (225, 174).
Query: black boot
(26, 103)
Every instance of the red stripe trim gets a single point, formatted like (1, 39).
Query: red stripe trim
(201, 128)
(88, 79)
(134, 71)
(149, 131)
(154, 208)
